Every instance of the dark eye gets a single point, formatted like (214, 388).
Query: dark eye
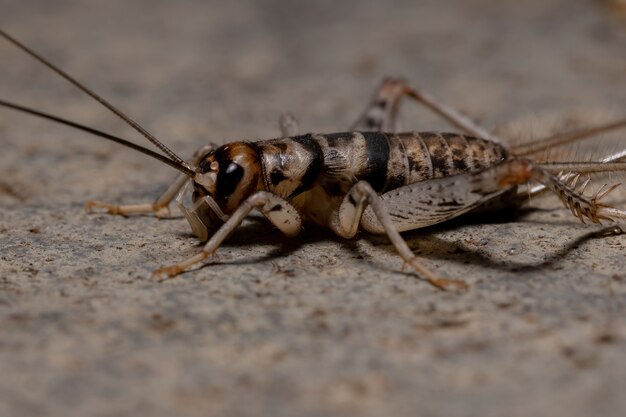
(228, 178)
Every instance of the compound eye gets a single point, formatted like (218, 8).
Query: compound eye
(228, 179)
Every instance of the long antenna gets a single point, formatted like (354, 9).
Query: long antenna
(99, 99)
(540, 145)
(174, 164)
(584, 167)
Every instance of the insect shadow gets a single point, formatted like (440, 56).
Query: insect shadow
(427, 244)
(424, 241)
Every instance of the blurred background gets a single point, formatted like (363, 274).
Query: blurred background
(320, 327)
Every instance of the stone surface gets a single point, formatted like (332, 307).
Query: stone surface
(312, 326)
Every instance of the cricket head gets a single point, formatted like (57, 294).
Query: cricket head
(229, 175)
(224, 177)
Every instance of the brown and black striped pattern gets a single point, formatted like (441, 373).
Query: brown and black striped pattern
(387, 161)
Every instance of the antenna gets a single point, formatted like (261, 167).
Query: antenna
(99, 99)
(540, 145)
(174, 164)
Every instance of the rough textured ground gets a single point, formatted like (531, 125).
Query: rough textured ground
(313, 326)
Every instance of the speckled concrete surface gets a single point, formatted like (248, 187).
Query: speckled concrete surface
(313, 326)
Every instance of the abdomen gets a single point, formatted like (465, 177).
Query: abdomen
(388, 161)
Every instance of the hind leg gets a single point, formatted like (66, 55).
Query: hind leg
(381, 114)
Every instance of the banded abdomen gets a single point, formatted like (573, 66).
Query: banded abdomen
(386, 160)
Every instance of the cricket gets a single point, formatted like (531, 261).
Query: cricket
(373, 177)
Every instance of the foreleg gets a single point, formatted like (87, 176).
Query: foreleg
(277, 210)
(161, 205)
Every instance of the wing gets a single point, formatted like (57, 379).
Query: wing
(434, 201)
